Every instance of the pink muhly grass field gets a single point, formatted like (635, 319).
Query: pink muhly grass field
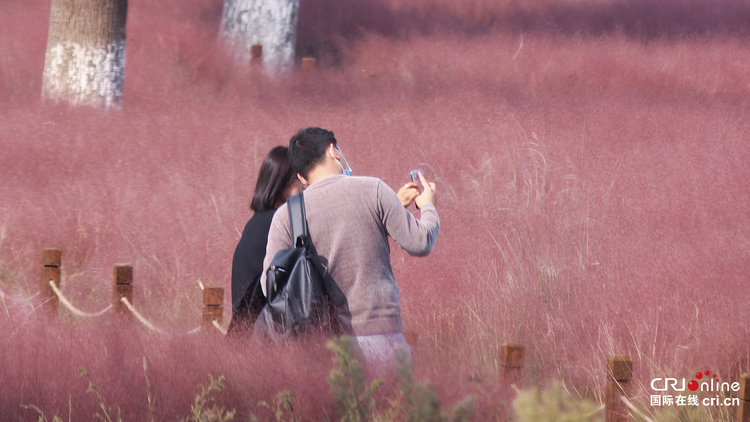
(592, 178)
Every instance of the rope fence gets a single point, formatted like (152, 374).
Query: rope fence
(140, 317)
(617, 406)
(72, 308)
(75, 311)
(122, 296)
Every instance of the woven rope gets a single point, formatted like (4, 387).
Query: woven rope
(140, 318)
(218, 327)
(72, 308)
(128, 305)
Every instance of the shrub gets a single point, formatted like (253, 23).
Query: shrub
(554, 404)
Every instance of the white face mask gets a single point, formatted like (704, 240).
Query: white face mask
(348, 170)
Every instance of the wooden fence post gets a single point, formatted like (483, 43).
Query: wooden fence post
(511, 361)
(256, 54)
(309, 64)
(619, 374)
(412, 338)
(213, 305)
(51, 261)
(743, 411)
(122, 286)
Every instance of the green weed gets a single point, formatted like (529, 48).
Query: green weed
(40, 413)
(280, 405)
(411, 403)
(108, 413)
(554, 404)
(149, 396)
(204, 408)
(349, 383)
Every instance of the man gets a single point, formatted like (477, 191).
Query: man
(349, 221)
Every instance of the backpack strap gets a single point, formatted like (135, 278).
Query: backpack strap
(297, 219)
(298, 222)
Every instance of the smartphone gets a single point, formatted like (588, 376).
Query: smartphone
(414, 177)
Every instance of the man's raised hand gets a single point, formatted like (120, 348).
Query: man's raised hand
(408, 193)
(428, 195)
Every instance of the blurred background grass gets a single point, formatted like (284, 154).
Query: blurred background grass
(590, 159)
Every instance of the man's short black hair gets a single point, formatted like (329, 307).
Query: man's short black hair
(308, 148)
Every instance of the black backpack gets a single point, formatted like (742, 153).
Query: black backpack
(297, 299)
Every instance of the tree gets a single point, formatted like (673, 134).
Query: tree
(271, 23)
(85, 59)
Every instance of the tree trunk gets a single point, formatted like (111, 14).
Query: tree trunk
(271, 23)
(85, 60)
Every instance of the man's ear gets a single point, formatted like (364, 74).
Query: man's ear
(302, 179)
(334, 151)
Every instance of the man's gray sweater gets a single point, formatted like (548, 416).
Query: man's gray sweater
(349, 220)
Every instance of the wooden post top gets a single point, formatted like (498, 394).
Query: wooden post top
(511, 355)
(51, 257)
(309, 63)
(621, 367)
(213, 296)
(122, 274)
(744, 393)
(256, 51)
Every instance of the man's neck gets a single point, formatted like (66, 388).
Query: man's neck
(322, 172)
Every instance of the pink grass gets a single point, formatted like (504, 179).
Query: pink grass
(592, 192)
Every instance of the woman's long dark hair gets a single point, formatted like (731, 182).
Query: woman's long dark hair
(275, 174)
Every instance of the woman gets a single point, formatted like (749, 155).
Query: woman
(276, 182)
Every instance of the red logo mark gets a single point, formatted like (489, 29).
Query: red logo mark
(693, 385)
